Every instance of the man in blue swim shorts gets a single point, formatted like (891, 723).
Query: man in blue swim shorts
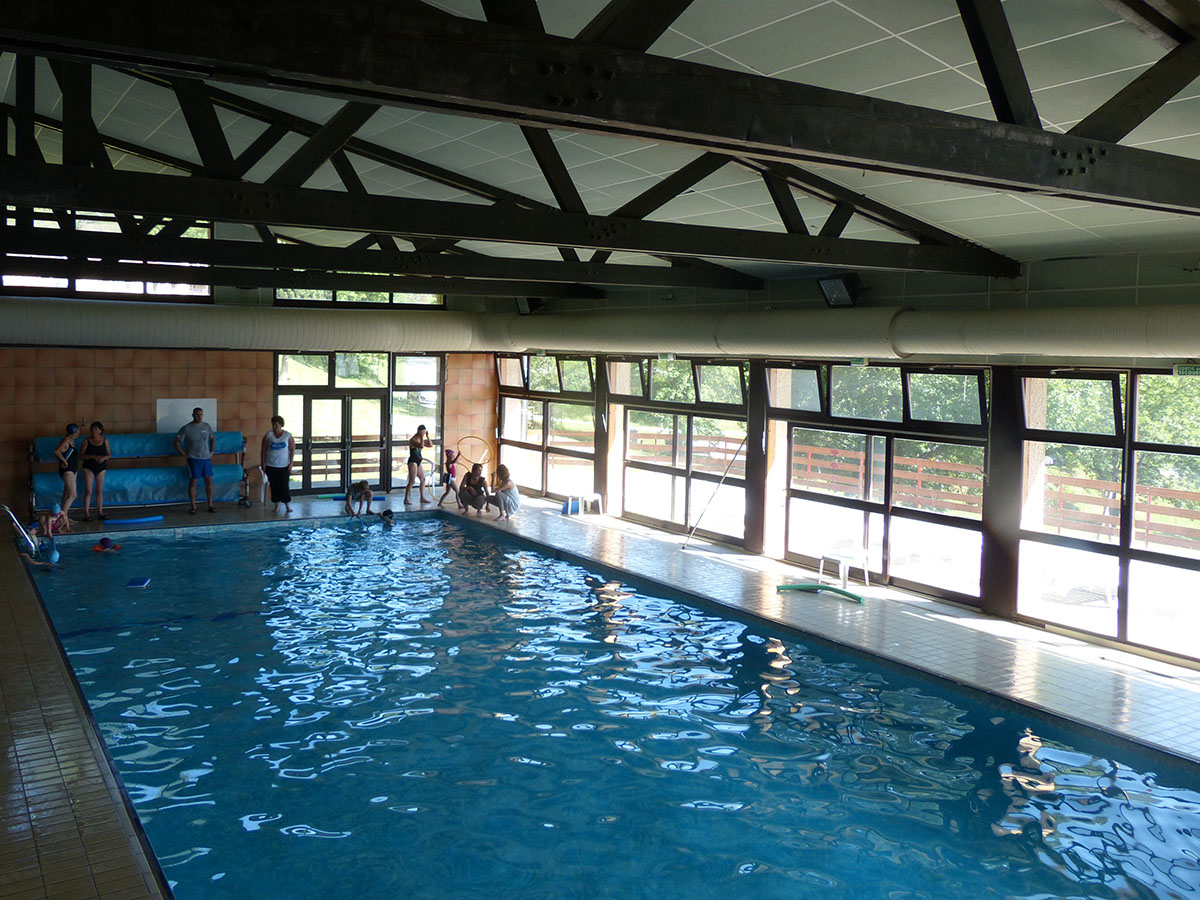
(196, 441)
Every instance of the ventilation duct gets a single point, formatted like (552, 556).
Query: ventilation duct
(890, 333)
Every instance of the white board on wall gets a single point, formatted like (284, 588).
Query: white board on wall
(173, 413)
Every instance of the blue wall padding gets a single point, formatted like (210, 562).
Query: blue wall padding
(133, 487)
(132, 446)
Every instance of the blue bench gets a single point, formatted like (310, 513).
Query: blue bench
(163, 478)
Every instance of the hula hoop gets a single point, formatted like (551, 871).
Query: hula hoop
(486, 446)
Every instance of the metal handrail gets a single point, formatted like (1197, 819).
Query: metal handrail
(724, 475)
(21, 530)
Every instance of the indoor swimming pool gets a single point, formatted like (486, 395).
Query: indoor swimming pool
(433, 710)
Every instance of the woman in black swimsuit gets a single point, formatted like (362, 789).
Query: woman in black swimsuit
(416, 472)
(68, 465)
(96, 454)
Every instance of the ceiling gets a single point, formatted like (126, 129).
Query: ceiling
(1074, 56)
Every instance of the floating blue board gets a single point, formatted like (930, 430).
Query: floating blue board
(142, 521)
(138, 582)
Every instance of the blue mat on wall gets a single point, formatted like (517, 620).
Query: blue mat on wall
(134, 487)
(133, 446)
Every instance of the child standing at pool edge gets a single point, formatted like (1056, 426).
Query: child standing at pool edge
(448, 472)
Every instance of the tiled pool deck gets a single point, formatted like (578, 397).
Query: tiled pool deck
(67, 834)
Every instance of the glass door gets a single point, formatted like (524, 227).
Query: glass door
(324, 464)
(365, 447)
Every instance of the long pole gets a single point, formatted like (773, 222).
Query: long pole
(714, 493)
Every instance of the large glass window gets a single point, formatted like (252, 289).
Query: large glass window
(935, 554)
(521, 420)
(569, 475)
(573, 426)
(655, 495)
(1072, 489)
(654, 437)
(525, 465)
(938, 477)
(1166, 502)
(1067, 586)
(719, 445)
(1164, 607)
(553, 441)
(837, 462)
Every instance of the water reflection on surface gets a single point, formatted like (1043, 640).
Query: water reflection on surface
(422, 712)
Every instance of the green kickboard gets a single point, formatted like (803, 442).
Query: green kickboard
(813, 587)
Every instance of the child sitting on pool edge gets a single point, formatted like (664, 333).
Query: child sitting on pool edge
(360, 493)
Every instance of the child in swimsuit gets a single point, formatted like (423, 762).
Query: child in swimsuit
(450, 470)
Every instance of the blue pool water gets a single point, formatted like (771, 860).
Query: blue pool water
(344, 712)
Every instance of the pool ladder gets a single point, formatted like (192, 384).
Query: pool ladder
(21, 530)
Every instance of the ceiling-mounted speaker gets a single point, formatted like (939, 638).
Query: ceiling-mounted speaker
(840, 290)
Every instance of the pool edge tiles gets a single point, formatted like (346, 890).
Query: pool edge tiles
(1049, 673)
(71, 834)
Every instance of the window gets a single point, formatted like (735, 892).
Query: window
(572, 426)
(654, 437)
(626, 379)
(576, 375)
(721, 384)
(671, 380)
(543, 373)
(944, 398)
(797, 389)
(418, 370)
(1076, 588)
(522, 420)
(1166, 502)
(717, 445)
(302, 369)
(839, 463)
(1080, 405)
(369, 370)
(305, 296)
(938, 477)
(864, 392)
(104, 222)
(512, 371)
(1072, 489)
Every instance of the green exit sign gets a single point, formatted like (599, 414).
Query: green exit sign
(1185, 370)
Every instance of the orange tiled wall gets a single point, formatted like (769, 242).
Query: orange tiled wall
(470, 398)
(42, 389)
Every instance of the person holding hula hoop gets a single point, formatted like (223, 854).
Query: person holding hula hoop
(416, 471)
